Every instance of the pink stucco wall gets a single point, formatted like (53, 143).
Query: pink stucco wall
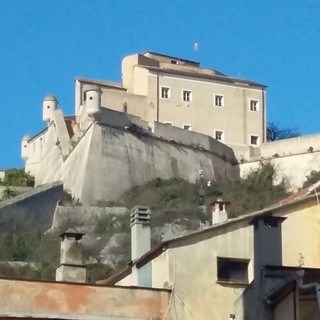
(24, 299)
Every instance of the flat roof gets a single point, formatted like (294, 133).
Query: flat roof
(110, 84)
(220, 77)
(170, 57)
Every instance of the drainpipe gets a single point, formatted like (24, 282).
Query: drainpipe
(264, 137)
(311, 285)
(158, 111)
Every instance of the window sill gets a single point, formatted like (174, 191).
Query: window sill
(232, 283)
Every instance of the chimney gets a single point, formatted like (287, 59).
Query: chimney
(140, 244)
(71, 268)
(219, 211)
(267, 250)
(267, 239)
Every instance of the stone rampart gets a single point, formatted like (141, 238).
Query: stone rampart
(35, 206)
(193, 139)
(68, 216)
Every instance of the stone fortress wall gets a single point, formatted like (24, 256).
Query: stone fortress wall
(108, 160)
(115, 151)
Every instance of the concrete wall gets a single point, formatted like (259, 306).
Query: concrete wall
(234, 118)
(198, 140)
(294, 167)
(34, 151)
(301, 236)
(35, 207)
(285, 309)
(72, 301)
(17, 190)
(193, 271)
(51, 160)
(107, 162)
(293, 158)
(291, 146)
(117, 160)
(120, 120)
(65, 216)
(125, 102)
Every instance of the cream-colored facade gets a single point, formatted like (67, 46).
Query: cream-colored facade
(179, 92)
(189, 264)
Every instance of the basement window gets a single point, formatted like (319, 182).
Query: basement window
(219, 135)
(232, 270)
(254, 140)
(186, 127)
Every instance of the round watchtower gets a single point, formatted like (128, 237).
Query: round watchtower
(25, 147)
(50, 103)
(93, 100)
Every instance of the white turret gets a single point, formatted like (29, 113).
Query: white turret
(93, 100)
(25, 147)
(50, 103)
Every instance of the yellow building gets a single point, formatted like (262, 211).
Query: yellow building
(208, 270)
(179, 92)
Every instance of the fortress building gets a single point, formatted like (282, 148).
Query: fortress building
(168, 118)
(161, 88)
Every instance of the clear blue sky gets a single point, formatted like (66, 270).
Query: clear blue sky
(45, 44)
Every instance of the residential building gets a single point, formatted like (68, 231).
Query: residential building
(208, 270)
(69, 297)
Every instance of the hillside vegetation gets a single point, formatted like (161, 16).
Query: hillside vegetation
(175, 210)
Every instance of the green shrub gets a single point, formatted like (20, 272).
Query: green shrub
(17, 178)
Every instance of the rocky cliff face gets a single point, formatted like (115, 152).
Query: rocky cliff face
(107, 230)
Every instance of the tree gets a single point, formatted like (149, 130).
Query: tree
(311, 178)
(274, 132)
(17, 178)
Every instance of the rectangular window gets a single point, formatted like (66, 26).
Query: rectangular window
(218, 100)
(165, 93)
(186, 127)
(232, 270)
(219, 135)
(186, 95)
(254, 105)
(254, 140)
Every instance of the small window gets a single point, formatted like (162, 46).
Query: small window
(232, 270)
(219, 135)
(254, 105)
(218, 100)
(48, 107)
(186, 127)
(254, 140)
(91, 98)
(165, 93)
(186, 95)
(174, 61)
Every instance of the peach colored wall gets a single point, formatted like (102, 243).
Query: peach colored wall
(61, 300)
